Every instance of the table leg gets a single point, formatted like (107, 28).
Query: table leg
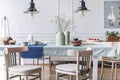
(95, 68)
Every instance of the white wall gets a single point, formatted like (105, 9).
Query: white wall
(90, 25)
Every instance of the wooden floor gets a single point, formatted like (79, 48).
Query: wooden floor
(46, 75)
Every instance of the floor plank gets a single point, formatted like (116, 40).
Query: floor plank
(51, 76)
(47, 75)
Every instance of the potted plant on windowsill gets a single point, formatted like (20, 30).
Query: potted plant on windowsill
(112, 36)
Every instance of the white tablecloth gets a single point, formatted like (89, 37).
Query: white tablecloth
(98, 50)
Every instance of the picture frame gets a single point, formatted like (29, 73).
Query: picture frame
(111, 14)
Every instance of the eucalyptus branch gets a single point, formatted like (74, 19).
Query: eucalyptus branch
(62, 23)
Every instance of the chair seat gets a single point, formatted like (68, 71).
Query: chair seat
(67, 67)
(24, 68)
(111, 59)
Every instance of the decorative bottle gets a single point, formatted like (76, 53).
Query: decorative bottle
(67, 37)
(30, 39)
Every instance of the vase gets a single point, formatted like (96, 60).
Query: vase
(67, 37)
(60, 38)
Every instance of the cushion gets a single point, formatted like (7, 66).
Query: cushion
(67, 67)
(24, 68)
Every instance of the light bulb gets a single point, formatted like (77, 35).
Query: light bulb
(82, 12)
(32, 14)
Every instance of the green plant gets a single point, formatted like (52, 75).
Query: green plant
(112, 33)
(62, 23)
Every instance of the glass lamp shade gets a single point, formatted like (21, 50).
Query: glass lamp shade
(31, 12)
(82, 11)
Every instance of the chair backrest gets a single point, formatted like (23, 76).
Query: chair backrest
(84, 60)
(12, 55)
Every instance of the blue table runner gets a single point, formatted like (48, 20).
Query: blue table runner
(35, 51)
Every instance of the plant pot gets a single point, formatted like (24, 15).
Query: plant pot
(112, 39)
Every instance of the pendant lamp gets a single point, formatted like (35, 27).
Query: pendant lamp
(31, 10)
(82, 8)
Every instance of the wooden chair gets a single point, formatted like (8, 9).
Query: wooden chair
(80, 69)
(13, 65)
(112, 62)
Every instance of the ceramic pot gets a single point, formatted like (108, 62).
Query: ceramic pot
(60, 38)
(67, 37)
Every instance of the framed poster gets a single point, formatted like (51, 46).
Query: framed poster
(111, 14)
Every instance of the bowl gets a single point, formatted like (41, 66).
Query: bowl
(76, 43)
(25, 43)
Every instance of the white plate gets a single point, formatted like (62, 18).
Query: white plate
(93, 40)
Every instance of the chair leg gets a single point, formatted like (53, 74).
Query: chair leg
(7, 75)
(101, 74)
(33, 61)
(78, 76)
(40, 75)
(20, 78)
(112, 70)
(37, 61)
(43, 63)
(50, 64)
(26, 77)
(57, 76)
(89, 77)
(71, 77)
(115, 71)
